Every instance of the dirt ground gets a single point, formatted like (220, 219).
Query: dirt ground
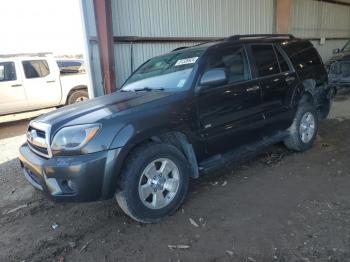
(279, 206)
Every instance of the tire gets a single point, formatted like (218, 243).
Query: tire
(133, 177)
(295, 141)
(78, 96)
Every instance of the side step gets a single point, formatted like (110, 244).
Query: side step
(240, 153)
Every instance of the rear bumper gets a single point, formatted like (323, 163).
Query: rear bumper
(71, 178)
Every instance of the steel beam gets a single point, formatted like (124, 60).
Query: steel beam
(103, 16)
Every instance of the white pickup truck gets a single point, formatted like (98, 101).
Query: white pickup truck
(34, 82)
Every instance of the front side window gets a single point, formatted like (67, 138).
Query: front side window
(168, 72)
(234, 61)
(35, 68)
(265, 60)
(7, 71)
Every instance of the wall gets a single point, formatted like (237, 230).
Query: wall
(206, 18)
(314, 19)
(183, 18)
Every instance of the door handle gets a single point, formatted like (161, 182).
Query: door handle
(253, 88)
(16, 85)
(290, 79)
(51, 81)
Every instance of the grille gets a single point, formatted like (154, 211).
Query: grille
(37, 138)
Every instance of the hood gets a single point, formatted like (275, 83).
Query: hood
(99, 108)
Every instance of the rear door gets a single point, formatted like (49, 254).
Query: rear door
(41, 82)
(229, 114)
(12, 95)
(277, 82)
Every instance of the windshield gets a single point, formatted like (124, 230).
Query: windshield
(347, 47)
(170, 71)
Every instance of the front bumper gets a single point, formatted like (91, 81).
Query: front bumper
(71, 178)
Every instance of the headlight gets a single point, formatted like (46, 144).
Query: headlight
(73, 137)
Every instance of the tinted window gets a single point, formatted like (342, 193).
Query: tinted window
(36, 68)
(283, 63)
(234, 61)
(265, 59)
(70, 67)
(302, 54)
(7, 71)
(69, 63)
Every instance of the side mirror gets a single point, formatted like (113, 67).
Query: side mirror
(214, 77)
(336, 51)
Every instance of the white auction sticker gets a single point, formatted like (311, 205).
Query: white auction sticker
(186, 61)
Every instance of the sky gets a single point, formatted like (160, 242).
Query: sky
(41, 26)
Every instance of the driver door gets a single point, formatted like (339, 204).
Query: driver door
(12, 95)
(230, 114)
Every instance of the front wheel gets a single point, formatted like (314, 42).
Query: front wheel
(153, 183)
(304, 129)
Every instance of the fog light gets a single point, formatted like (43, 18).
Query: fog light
(69, 186)
(72, 185)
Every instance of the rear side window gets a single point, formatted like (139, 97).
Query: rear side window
(265, 60)
(70, 67)
(302, 54)
(7, 71)
(234, 61)
(36, 68)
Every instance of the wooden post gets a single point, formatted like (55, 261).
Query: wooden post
(104, 25)
(283, 16)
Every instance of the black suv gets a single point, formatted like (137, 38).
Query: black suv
(178, 115)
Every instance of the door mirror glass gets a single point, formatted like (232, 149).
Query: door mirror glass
(214, 77)
(336, 51)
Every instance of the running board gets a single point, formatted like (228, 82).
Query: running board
(240, 153)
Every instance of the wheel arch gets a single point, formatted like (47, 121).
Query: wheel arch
(75, 88)
(306, 90)
(178, 138)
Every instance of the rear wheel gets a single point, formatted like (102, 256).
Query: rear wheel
(78, 96)
(154, 182)
(304, 129)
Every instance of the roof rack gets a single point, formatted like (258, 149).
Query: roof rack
(276, 36)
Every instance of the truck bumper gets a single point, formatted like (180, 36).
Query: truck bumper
(71, 178)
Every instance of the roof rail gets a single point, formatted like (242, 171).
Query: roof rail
(180, 48)
(276, 36)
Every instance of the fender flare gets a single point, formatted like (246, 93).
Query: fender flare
(307, 86)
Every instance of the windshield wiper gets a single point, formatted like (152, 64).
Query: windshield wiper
(148, 89)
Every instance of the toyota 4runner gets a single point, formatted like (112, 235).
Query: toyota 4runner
(177, 116)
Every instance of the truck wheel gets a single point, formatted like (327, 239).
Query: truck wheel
(78, 96)
(303, 131)
(153, 183)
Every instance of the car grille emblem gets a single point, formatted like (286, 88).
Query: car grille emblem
(30, 135)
